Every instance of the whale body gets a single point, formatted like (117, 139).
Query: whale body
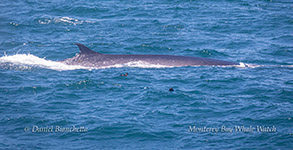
(90, 58)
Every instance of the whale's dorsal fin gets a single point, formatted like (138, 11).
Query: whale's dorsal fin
(85, 50)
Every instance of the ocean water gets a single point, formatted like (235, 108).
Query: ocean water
(45, 104)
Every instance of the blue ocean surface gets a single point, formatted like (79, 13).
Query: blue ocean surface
(45, 104)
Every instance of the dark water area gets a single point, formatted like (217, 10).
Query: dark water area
(45, 104)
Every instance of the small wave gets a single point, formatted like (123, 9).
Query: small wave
(66, 20)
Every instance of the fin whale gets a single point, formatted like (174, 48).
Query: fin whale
(90, 58)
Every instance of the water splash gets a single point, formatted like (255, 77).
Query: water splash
(28, 61)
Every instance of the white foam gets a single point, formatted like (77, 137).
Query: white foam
(68, 20)
(245, 65)
(26, 61)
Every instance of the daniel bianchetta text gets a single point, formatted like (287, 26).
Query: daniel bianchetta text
(234, 129)
(55, 129)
